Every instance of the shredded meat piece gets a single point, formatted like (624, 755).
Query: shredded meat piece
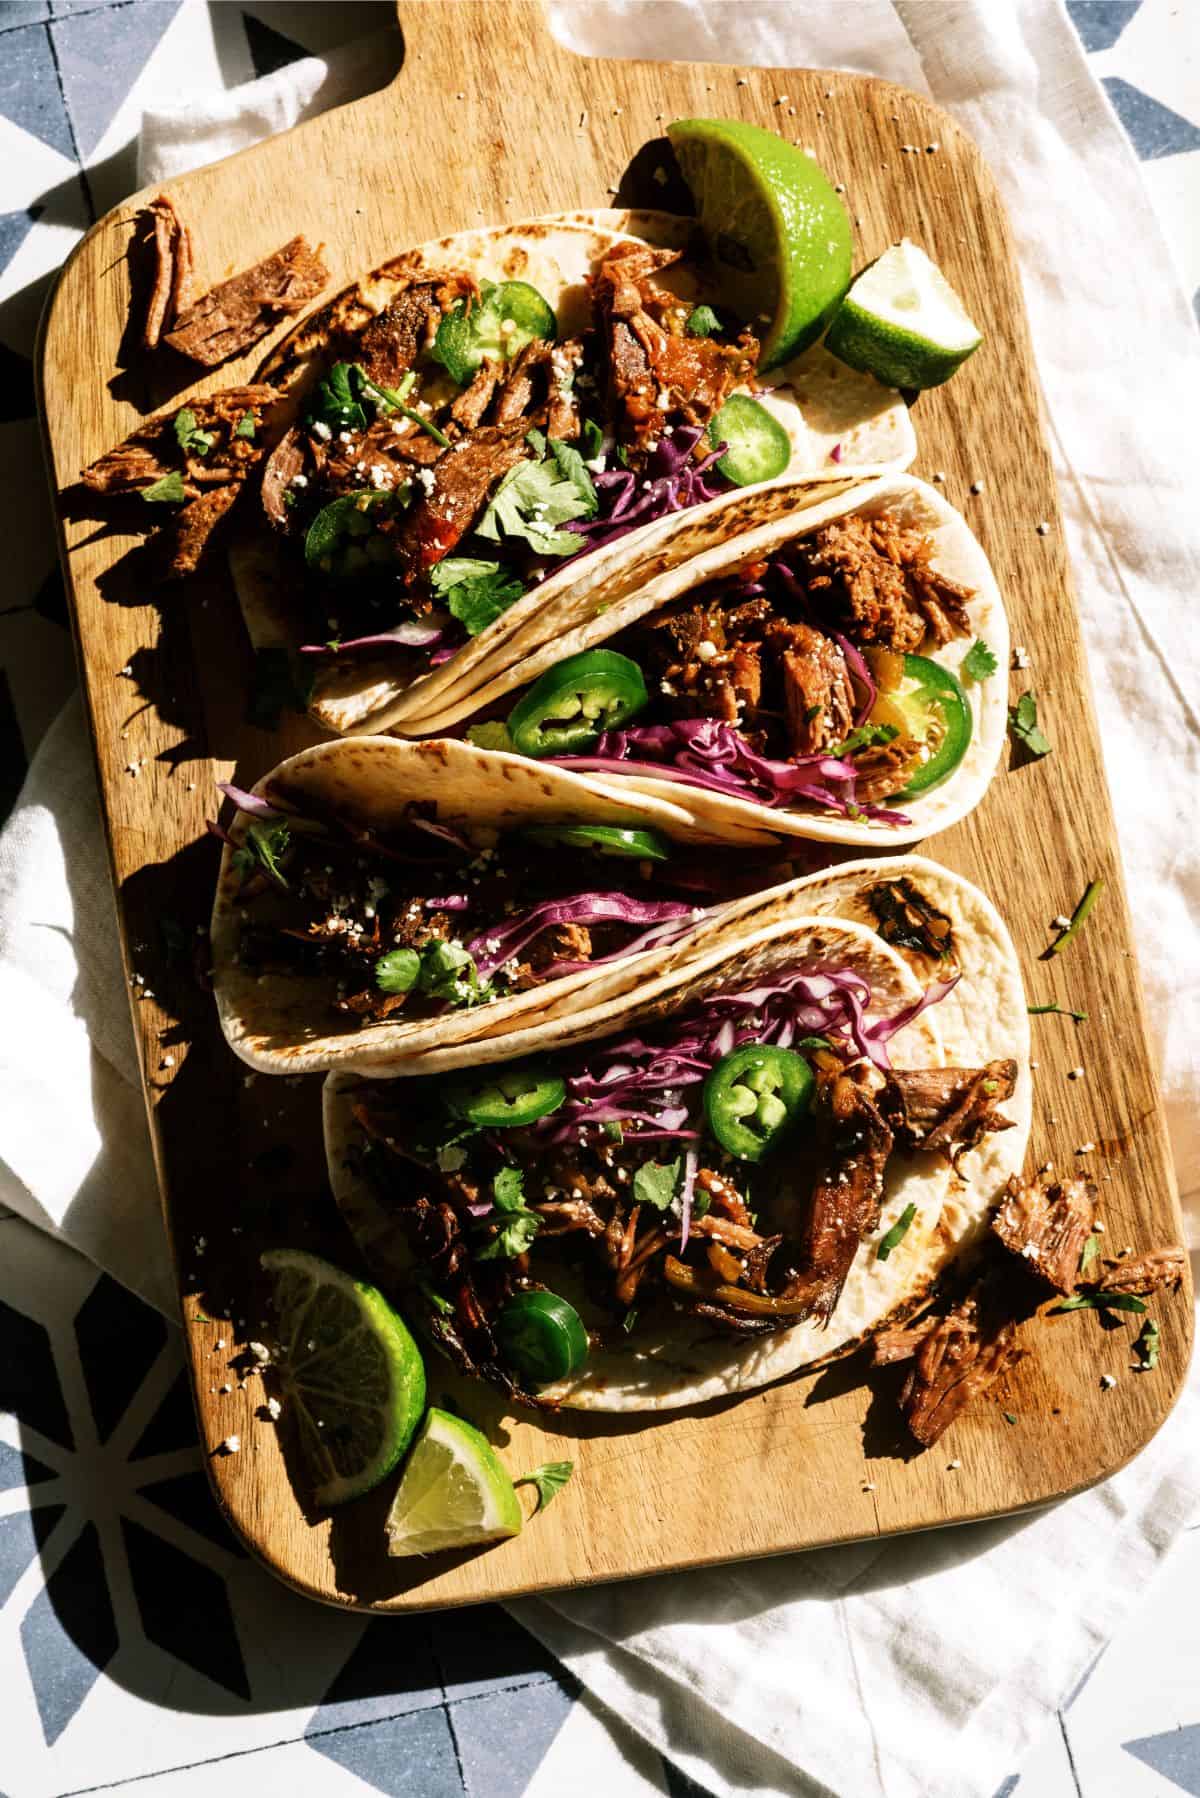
(561, 1215)
(565, 1175)
(561, 942)
(232, 316)
(171, 292)
(724, 1230)
(757, 1261)
(414, 925)
(463, 478)
(469, 408)
(656, 372)
(872, 579)
(528, 372)
(723, 1195)
(1047, 1223)
(387, 347)
(211, 483)
(947, 1110)
(907, 919)
(846, 1198)
(817, 696)
(901, 1342)
(961, 1356)
(562, 417)
(285, 462)
(1147, 1274)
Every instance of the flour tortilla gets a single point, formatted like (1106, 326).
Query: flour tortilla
(282, 1023)
(573, 624)
(824, 406)
(983, 1018)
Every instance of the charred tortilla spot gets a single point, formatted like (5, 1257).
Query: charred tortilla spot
(907, 919)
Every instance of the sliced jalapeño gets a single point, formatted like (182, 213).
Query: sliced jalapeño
(575, 702)
(752, 1096)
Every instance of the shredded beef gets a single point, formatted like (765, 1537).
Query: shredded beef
(232, 316)
(472, 403)
(463, 479)
(845, 1201)
(817, 696)
(657, 374)
(947, 1109)
(171, 291)
(389, 345)
(901, 1342)
(1147, 1274)
(560, 942)
(907, 919)
(872, 579)
(960, 1357)
(562, 416)
(1046, 1224)
(285, 462)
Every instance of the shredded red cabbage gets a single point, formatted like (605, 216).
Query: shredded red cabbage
(860, 672)
(706, 752)
(672, 482)
(249, 802)
(502, 942)
(410, 635)
(621, 1079)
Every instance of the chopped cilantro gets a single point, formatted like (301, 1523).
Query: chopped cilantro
(520, 1225)
(1091, 1249)
(591, 440)
(979, 661)
(169, 491)
(1100, 1301)
(263, 846)
(549, 1478)
(1023, 723)
(1008, 1417)
(394, 399)
(490, 736)
(188, 435)
(398, 971)
(867, 736)
(1147, 1345)
(702, 321)
(245, 426)
(433, 1297)
(897, 1233)
(448, 972)
(613, 1130)
(571, 468)
(654, 1184)
(531, 501)
(476, 592)
(336, 404)
(629, 1319)
(1064, 1011)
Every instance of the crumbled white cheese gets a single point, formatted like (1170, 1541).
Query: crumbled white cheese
(231, 1445)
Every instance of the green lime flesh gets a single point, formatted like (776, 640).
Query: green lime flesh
(903, 323)
(353, 1377)
(778, 234)
(454, 1493)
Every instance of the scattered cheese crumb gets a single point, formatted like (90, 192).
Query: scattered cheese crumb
(1086, 1148)
(1060, 923)
(976, 486)
(231, 1445)
(1107, 1380)
(1098, 1227)
(225, 1388)
(260, 1352)
(1043, 529)
(940, 475)
(953, 1466)
(273, 1409)
(220, 1342)
(1075, 1074)
(869, 1486)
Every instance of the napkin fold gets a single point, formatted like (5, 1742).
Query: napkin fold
(897, 1668)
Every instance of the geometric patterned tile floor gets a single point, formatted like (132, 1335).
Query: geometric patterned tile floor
(140, 1646)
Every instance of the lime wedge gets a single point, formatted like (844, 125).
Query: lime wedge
(778, 234)
(454, 1493)
(903, 322)
(353, 1376)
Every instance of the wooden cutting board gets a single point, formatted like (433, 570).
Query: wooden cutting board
(490, 120)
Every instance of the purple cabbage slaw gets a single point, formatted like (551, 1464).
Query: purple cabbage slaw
(706, 752)
(635, 1080)
(671, 919)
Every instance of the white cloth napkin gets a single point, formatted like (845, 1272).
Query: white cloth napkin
(903, 1668)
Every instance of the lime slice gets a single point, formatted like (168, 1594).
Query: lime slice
(454, 1493)
(903, 322)
(352, 1374)
(778, 233)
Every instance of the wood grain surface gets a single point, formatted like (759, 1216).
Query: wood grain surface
(488, 120)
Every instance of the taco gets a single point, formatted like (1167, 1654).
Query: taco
(835, 672)
(380, 899)
(496, 419)
(744, 1173)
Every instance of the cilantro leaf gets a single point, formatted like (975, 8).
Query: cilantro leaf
(281, 682)
(702, 321)
(1064, 1011)
(1100, 1301)
(531, 500)
(245, 426)
(1147, 1345)
(490, 736)
(335, 404)
(398, 971)
(476, 592)
(508, 1189)
(262, 847)
(979, 661)
(520, 1225)
(897, 1233)
(1023, 723)
(169, 491)
(188, 435)
(591, 440)
(1091, 1249)
(448, 972)
(571, 467)
(549, 1478)
(654, 1184)
(433, 1297)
